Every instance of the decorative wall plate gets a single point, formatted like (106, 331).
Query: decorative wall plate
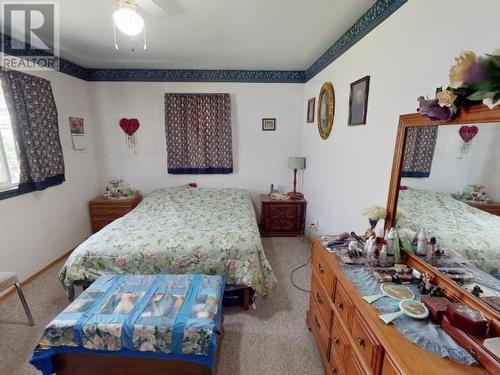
(326, 110)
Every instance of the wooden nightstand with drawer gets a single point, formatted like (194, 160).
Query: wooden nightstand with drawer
(282, 218)
(104, 211)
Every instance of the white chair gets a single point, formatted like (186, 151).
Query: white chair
(9, 279)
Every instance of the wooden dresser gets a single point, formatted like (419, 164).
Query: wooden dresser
(350, 336)
(282, 218)
(104, 211)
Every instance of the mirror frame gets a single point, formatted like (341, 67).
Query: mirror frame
(326, 89)
(477, 114)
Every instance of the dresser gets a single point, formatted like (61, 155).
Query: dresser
(104, 211)
(282, 218)
(351, 338)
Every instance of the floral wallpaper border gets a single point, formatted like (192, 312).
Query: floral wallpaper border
(377, 13)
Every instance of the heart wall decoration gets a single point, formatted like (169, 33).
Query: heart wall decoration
(129, 127)
(467, 133)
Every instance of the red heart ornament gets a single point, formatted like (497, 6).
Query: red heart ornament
(129, 126)
(468, 133)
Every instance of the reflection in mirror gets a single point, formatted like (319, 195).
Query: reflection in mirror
(324, 111)
(450, 191)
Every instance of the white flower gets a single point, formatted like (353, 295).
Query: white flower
(489, 103)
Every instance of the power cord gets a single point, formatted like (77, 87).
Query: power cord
(295, 270)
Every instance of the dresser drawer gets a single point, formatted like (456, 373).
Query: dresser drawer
(109, 211)
(340, 345)
(336, 364)
(388, 367)
(355, 366)
(366, 342)
(323, 270)
(99, 223)
(322, 299)
(343, 304)
(319, 329)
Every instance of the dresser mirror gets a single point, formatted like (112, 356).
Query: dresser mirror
(446, 182)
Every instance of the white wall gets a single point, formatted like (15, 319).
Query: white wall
(408, 55)
(452, 171)
(260, 157)
(36, 228)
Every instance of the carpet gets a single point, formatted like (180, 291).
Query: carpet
(271, 340)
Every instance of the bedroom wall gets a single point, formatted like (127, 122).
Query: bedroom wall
(260, 157)
(37, 228)
(408, 55)
(452, 171)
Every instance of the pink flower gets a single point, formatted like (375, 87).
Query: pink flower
(149, 253)
(204, 256)
(121, 262)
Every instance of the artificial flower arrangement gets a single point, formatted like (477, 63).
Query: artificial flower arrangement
(472, 80)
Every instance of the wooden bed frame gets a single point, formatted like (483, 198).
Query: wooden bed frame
(95, 364)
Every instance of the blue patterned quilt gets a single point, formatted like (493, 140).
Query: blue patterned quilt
(158, 316)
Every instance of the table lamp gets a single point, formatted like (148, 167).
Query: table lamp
(296, 163)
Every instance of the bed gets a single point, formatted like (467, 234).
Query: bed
(457, 226)
(178, 230)
(169, 323)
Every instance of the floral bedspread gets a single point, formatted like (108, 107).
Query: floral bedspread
(169, 314)
(179, 230)
(457, 226)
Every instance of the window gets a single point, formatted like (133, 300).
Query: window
(9, 161)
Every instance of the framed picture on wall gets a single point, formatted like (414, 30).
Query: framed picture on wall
(268, 124)
(311, 103)
(358, 101)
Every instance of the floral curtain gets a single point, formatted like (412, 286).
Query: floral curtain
(33, 115)
(419, 152)
(198, 133)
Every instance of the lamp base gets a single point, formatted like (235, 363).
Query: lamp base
(295, 195)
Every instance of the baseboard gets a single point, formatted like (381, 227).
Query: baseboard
(36, 275)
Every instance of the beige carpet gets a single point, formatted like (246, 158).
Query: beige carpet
(273, 339)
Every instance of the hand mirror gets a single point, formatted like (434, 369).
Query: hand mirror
(394, 291)
(413, 309)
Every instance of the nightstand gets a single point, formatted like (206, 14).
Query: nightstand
(491, 207)
(104, 211)
(282, 218)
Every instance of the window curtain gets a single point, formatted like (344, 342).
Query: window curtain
(33, 116)
(419, 152)
(198, 133)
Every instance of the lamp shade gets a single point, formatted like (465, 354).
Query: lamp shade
(295, 162)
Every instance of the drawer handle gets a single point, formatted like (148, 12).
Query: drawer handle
(340, 305)
(336, 341)
(318, 298)
(316, 320)
(320, 268)
(361, 342)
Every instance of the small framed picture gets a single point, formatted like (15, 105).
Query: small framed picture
(268, 124)
(358, 101)
(311, 103)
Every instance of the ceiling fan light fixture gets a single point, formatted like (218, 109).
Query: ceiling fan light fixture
(127, 20)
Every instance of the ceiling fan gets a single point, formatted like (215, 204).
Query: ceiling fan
(128, 18)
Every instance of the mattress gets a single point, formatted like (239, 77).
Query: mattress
(179, 230)
(458, 227)
(153, 316)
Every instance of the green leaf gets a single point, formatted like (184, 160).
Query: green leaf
(478, 95)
